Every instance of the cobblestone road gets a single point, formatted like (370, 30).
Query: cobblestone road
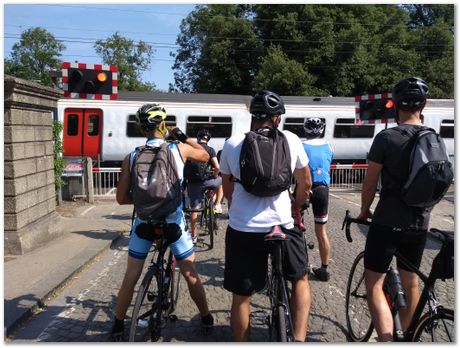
(82, 312)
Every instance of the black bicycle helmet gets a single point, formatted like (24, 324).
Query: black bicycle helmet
(314, 127)
(204, 133)
(410, 93)
(266, 104)
(150, 115)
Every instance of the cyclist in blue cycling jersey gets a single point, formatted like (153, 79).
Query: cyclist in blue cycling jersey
(151, 120)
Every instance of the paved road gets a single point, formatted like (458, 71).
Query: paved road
(82, 312)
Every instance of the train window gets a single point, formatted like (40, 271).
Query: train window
(218, 126)
(346, 128)
(93, 125)
(447, 129)
(72, 125)
(132, 131)
(295, 125)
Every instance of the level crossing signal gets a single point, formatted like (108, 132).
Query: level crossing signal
(90, 81)
(375, 108)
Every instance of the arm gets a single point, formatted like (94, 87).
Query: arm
(123, 189)
(227, 186)
(369, 188)
(215, 166)
(192, 150)
(302, 191)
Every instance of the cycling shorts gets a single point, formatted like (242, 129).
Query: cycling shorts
(196, 190)
(246, 262)
(382, 242)
(180, 244)
(320, 203)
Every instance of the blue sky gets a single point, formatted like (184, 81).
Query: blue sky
(80, 25)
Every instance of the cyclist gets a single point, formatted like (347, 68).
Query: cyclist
(320, 155)
(395, 226)
(252, 217)
(151, 120)
(198, 182)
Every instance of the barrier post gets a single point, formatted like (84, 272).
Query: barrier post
(88, 179)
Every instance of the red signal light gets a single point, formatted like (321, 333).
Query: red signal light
(389, 104)
(101, 77)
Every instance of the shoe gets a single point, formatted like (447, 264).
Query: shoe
(117, 337)
(321, 274)
(298, 219)
(218, 209)
(207, 323)
(195, 240)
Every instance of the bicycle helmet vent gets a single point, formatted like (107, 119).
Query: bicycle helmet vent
(410, 93)
(266, 104)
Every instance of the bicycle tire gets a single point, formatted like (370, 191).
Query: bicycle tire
(358, 317)
(210, 223)
(174, 286)
(140, 331)
(438, 327)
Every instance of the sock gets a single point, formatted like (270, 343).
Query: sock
(118, 325)
(324, 266)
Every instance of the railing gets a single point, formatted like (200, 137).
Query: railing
(346, 177)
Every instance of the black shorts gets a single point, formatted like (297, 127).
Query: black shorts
(246, 256)
(382, 242)
(320, 203)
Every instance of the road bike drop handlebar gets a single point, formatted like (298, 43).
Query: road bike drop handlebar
(348, 220)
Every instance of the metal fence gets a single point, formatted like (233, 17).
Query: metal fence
(343, 178)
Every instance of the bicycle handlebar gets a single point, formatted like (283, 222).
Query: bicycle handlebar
(347, 222)
(440, 235)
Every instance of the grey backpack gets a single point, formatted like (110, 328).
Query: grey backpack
(430, 172)
(155, 184)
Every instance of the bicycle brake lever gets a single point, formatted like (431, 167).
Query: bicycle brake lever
(346, 223)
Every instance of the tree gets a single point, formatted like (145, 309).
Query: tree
(130, 57)
(34, 56)
(218, 51)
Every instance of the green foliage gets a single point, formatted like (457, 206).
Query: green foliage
(34, 56)
(59, 164)
(311, 49)
(130, 57)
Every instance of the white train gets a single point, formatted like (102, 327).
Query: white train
(105, 129)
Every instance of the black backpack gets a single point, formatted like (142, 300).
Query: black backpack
(195, 171)
(430, 171)
(265, 163)
(155, 184)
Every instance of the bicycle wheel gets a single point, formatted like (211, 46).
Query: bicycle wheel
(438, 327)
(146, 310)
(175, 285)
(359, 321)
(210, 222)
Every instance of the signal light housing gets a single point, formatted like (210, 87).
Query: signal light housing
(375, 108)
(89, 81)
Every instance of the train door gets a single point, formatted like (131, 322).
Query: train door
(82, 132)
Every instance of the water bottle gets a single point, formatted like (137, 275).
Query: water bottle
(396, 289)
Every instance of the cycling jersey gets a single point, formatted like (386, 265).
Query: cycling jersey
(320, 156)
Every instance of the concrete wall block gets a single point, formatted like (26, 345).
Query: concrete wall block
(50, 177)
(13, 117)
(20, 168)
(15, 151)
(43, 134)
(18, 134)
(16, 221)
(49, 148)
(15, 187)
(38, 118)
(36, 180)
(37, 211)
(44, 163)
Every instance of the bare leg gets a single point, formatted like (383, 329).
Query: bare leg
(300, 307)
(239, 317)
(410, 284)
(378, 306)
(323, 241)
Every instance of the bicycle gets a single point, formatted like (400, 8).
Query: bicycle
(423, 327)
(158, 293)
(280, 321)
(208, 217)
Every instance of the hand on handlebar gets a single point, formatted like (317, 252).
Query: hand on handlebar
(365, 216)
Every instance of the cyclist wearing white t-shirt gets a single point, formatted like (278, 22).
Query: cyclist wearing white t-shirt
(251, 217)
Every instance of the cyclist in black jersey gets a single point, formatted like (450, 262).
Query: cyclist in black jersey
(395, 225)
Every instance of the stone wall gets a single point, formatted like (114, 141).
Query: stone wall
(29, 194)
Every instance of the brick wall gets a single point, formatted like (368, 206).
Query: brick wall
(29, 195)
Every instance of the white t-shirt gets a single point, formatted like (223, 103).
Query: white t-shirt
(250, 213)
